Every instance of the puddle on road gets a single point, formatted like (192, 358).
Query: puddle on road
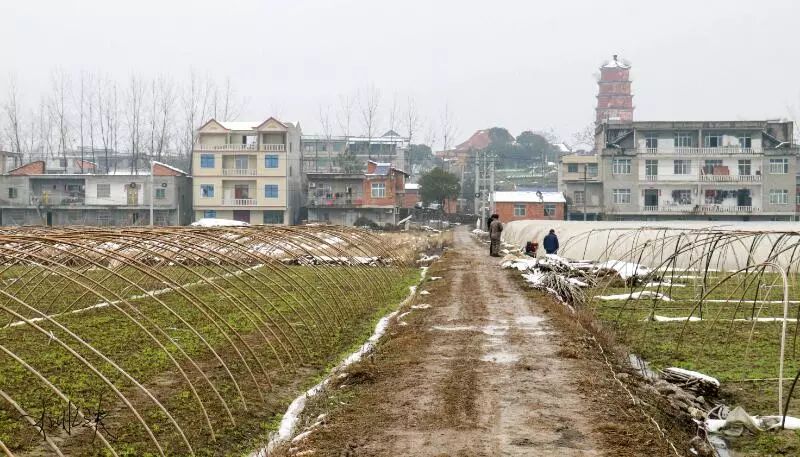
(501, 357)
(491, 330)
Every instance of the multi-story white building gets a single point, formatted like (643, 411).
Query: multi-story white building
(738, 170)
(248, 171)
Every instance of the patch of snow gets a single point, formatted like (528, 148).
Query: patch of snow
(501, 357)
(645, 294)
(693, 374)
(424, 292)
(673, 319)
(624, 269)
(577, 282)
(435, 278)
(208, 222)
(663, 284)
(421, 306)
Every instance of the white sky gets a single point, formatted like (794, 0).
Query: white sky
(518, 64)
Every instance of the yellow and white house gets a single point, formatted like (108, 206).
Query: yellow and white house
(247, 171)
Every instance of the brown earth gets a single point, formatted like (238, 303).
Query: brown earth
(489, 369)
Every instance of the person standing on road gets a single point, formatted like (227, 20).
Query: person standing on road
(550, 243)
(495, 228)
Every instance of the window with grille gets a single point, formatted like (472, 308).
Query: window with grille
(651, 168)
(651, 142)
(683, 167)
(622, 196)
(378, 190)
(273, 217)
(519, 210)
(745, 142)
(778, 197)
(580, 196)
(572, 168)
(779, 166)
(621, 166)
(210, 214)
(683, 140)
(103, 218)
(271, 161)
(104, 191)
(745, 167)
(550, 209)
(12, 192)
(161, 194)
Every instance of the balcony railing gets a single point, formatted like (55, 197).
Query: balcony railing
(701, 209)
(666, 178)
(730, 178)
(57, 199)
(700, 151)
(273, 147)
(239, 201)
(225, 147)
(239, 172)
(345, 201)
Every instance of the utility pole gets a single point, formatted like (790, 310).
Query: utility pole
(152, 188)
(491, 185)
(477, 184)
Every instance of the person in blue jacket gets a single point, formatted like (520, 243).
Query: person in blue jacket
(550, 243)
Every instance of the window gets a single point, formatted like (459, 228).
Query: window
(713, 140)
(161, 194)
(708, 166)
(271, 161)
(651, 167)
(580, 197)
(683, 167)
(683, 140)
(651, 142)
(549, 209)
(797, 198)
(572, 168)
(270, 190)
(622, 196)
(62, 163)
(12, 192)
(745, 142)
(241, 162)
(161, 218)
(745, 167)
(779, 166)
(591, 170)
(104, 191)
(778, 197)
(210, 214)
(207, 190)
(273, 217)
(519, 210)
(682, 196)
(206, 160)
(378, 190)
(621, 166)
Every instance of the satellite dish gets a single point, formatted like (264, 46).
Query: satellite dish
(163, 184)
(132, 185)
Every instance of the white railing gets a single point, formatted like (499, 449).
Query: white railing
(239, 171)
(239, 201)
(701, 209)
(730, 178)
(651, 177)
(700, 151)
(729, 209)
(273, 147)
(225, 147)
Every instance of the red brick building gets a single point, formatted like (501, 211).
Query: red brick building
(515, 206)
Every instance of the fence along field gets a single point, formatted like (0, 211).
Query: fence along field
(178, 341)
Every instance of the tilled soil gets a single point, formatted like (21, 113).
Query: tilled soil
(484, 371)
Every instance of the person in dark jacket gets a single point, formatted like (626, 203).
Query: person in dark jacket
(550, 243)
(495, 228)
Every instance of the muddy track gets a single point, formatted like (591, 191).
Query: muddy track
(482, 372)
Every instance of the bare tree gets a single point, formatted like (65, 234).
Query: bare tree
(59, 111)
(448, 128)
(411, 119)
(133, 115)
(325, 125)
(12, 110)
(584, 137)
(369, 103)
(344, 116)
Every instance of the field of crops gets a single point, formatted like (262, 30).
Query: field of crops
(179, 341)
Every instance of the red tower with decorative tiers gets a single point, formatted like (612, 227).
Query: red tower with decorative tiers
(614, 97)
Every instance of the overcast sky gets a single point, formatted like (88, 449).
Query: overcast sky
(524, 64)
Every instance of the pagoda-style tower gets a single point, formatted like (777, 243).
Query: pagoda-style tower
(614, 97)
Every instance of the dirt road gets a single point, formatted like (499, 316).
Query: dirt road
(481, 372)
